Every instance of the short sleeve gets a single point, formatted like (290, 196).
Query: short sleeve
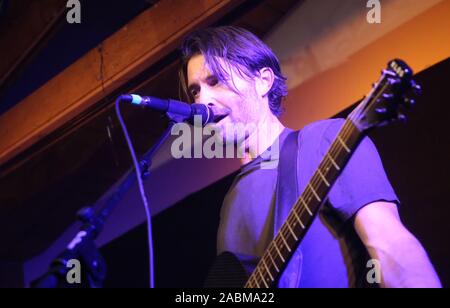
(363, 179)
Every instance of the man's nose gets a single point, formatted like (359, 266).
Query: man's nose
(205, 97)
(208, 99)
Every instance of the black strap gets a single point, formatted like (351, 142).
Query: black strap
(287, 182)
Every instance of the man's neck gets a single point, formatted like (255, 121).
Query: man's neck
(268, 130)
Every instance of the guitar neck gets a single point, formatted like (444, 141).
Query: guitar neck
(302, 214)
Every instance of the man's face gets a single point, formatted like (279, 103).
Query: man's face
(243, 105)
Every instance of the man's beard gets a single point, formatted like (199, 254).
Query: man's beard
(234, 136)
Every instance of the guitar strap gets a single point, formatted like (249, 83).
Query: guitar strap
(287, 183)
(286, 194)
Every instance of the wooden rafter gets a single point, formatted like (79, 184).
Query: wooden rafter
(139, 44)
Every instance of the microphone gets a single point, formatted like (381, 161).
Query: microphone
(176, 110)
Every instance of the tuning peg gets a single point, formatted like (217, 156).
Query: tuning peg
(417, 89)
(388, 96)
(394, 81)
(409, 102)
(380, 110)
(401, 117)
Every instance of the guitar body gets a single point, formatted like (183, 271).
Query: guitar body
(230, 271)
(233, 271)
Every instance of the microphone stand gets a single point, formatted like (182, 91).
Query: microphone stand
(82, 248)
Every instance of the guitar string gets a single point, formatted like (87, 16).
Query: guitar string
(306, 194)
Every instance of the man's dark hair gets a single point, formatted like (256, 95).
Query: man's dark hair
(238, 48)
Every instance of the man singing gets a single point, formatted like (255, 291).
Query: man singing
(230, 69)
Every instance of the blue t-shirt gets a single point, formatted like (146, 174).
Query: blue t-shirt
(331, 254)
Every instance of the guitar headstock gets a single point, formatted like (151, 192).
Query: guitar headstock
(389, 98)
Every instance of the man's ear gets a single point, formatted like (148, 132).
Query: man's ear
(264, 81)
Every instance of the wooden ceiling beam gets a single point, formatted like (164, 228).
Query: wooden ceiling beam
(35, 21)
(135, 47)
